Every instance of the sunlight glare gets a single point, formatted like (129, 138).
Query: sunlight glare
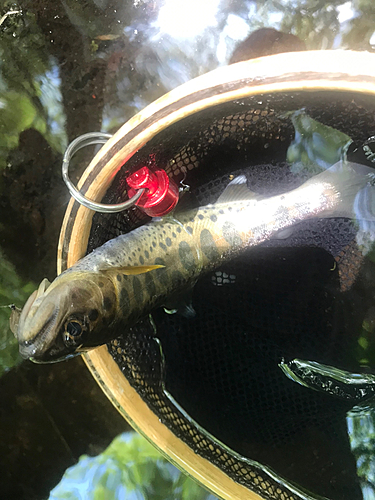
(345, 11)
(236, 27)
(182, 19)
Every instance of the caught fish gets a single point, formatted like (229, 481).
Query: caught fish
(330, 380)
(157, 264)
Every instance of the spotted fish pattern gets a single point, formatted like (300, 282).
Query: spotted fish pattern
(132, 274)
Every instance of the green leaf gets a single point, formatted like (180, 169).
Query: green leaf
(12, 291)
(129, 468)
(315, 147)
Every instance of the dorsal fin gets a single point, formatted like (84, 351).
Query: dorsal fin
(237, 190)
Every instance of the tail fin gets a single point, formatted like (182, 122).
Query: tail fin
(355, 187)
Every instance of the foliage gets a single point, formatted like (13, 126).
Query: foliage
(26, 78)
(365, 352)
(361, 430)
(142, 61)
(130, 468)
(315, 147)
(12, 290)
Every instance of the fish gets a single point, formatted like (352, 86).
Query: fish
(157, 265)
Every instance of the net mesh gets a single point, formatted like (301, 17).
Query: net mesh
(302, 297)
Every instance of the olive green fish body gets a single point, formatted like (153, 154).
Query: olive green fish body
(129, 276)
(190, 244)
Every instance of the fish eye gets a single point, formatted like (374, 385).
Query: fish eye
(73, 332)
(74, 328)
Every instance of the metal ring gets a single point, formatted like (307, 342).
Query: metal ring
(81, 142)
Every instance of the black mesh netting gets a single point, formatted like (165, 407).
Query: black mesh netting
(304, 296)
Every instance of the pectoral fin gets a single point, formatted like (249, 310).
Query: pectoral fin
(181, 304)
(132, 270)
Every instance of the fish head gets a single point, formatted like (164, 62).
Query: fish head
(67, 317)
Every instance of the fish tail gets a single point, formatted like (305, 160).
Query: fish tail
(353, 190)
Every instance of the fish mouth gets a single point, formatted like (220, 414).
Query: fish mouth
(38, 345)
(54, 360)
(19, 318)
